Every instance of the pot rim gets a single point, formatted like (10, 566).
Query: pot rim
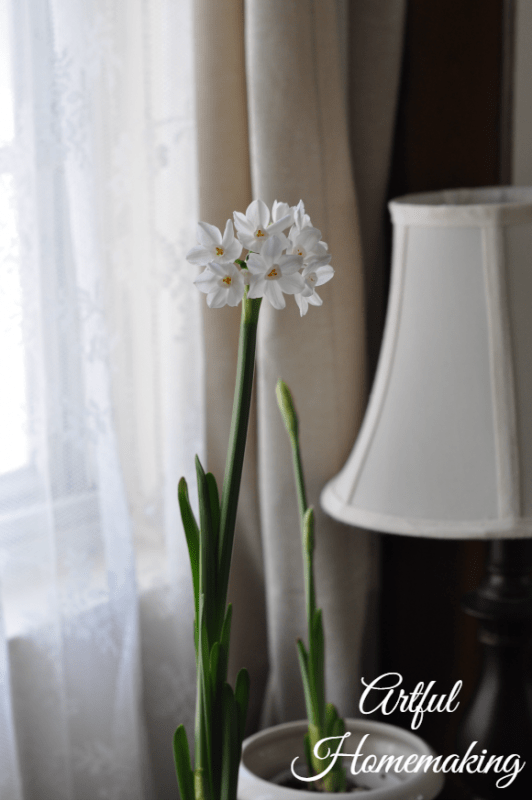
(416, 786)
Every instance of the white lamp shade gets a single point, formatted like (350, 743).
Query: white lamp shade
(445, 449)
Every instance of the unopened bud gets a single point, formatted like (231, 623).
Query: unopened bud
(286, 407)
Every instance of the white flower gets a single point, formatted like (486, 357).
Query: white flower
(254, 228)
(304, 238)
(214, 247)
(280, 210)
(222, 283)
(301, 220)
(306, 242)
(271, 273)
(315, 273)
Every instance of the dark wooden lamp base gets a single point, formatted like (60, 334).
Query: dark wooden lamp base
(499, 716)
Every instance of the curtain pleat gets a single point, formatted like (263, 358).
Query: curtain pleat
(300, 149)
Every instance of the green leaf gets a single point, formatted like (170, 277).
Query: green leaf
(214, 662)
(202, 750)
(201, 785)
(226, 628)
(192, 536)
(242, 700)
(206, 693)
(317, 666)
(231, 748)
(214, 501)
(207, 570)
(217, 683)
(308, 755)
(185, 777)
(307, 689)
(331, 715)
(338, 728)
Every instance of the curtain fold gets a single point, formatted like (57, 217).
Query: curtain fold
(300, 150)
(133, 121)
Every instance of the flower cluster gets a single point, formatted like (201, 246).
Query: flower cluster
(277, 263)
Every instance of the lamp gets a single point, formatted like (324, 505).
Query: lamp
(445, 449)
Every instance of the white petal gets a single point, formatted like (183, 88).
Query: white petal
(256, 264)
(238, 280)
(229, 234)
(219, 269)
(233, 250)
(302, 303)
(218, 298)
(291, 284)
(308, 238)
(207, 281)
(324, 274)
(209, 235)
(235, 293)
(249, 241)
(314, 262)
(258, 214)
(257, 286)
(200, 256)
(299, 214)
(315, 300)
(271, 250)
(280, 225)
(274, 294)
(280, 210)
(242, 223)
(290, 264)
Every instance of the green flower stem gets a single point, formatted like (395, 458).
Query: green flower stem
(306, 521)
(323, 718)
(237, 439)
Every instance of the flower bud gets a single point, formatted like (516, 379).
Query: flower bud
(286, 407)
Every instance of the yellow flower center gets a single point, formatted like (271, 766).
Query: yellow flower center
(259, 233)
(227, 280)
(300, 252)
(219, 251)
(273, 273)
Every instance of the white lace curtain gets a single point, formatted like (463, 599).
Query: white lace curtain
(101, 346)
(109, 110)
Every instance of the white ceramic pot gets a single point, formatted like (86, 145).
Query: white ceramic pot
(269, 753)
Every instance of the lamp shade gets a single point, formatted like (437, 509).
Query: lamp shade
(445, 449)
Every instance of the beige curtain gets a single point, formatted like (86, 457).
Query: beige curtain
(274, 91)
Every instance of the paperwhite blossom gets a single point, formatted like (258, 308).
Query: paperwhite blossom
(315, 273)
(274, 261)
(281, 210)
(222, 283)
(271, 273)
(214, 247)
(306, 242)
(254, 227)
(301, 219)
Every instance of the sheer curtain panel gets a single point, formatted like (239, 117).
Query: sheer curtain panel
(102, 393)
